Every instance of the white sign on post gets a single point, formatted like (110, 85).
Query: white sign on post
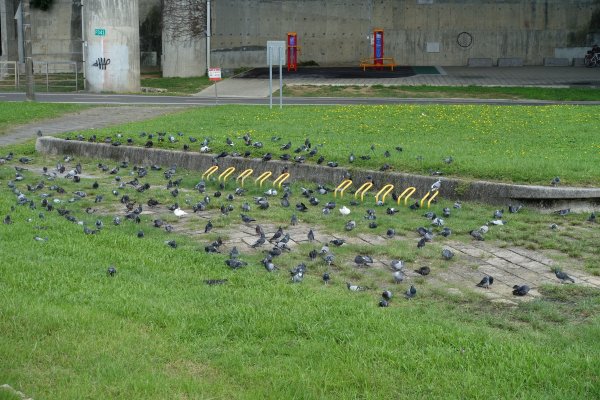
(275, 53)
(214, 74)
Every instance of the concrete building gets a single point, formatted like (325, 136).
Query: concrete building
(330, 32)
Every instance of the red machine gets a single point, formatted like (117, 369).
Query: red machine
(292, 51)
(378, 46)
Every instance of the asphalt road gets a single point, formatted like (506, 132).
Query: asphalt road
(149, 100)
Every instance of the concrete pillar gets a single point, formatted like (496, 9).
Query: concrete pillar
(113, 45)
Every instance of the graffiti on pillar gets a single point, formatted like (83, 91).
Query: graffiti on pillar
(101, 63)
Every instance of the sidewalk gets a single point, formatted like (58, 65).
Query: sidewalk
(92, 118)
(536, 76)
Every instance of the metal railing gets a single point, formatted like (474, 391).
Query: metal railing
(9, 75)
(58, 76)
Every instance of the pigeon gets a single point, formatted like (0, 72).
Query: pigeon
(208, 227)
(563, 212)
(397, 265)
(277, 234)
(363, 260)
(476, 234)
(329, 258)
(294, 220)
(297, 277)
(7, 220)
(355, 288)
(269, 266)
(326, 278)
(301, 207)
(344, 210)
(446, 212)
(179, 212)
(421, 243)
(555, 181)
(563, 276)
(247, 219)
(485, 282)
(337, 242)
(235, 263)
(386, 295)
(140, 234)
(411, 292)
(498, 214)
(520, 290)
(383, 303)
(111, 271)
(398, 276)
(311, 235)
(592, 217)
(447, 254)
(446, 232)
(390, 233)
(350, 225)
(259, 242)
(436, 185)
(423, 271)
(172, 244)
(514, 209)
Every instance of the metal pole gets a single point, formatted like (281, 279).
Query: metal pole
(270, 77)
(216, 96)
(208, 34)
(29, 91)
(280, 77)
(83, 45)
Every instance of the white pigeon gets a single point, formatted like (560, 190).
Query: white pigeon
(344, 210)
(179, 212)
(436, 185)
(204, 149)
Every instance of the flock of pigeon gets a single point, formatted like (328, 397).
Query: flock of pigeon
(275, 245)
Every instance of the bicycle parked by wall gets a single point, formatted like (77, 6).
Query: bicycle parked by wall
(592, 58)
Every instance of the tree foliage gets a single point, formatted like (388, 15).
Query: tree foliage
(184, 19)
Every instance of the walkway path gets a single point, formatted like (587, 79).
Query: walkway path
(92, 118)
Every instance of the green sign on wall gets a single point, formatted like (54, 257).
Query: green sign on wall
(100, 32)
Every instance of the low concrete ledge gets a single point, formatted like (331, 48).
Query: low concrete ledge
(452, 188)
(480, 62)
(510, 62)
(557, 62)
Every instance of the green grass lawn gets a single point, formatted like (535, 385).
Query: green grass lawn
(478, 92)
(518, 144)
(12, 114)
(156, 330)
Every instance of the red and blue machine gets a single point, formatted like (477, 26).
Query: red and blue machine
(292, 51)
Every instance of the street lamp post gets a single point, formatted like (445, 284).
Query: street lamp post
(29, 91)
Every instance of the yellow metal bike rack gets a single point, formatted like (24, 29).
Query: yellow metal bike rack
(282, 178)
(433, 196)
(363, 189)
(409, 191)
(385, 190)
(346, 183)
(244, 175)
(226, 174)
(263, 177)
(210, 171)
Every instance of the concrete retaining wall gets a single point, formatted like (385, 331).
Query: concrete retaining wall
(494, 193)
(334, 32)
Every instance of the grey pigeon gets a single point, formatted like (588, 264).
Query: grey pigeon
(476, 234)
(297, 277)
(446, 232)
(363, 260)
(397, 265)
(326, 278)
(563, 276)
(520, 290)
(235, 263)
(234, 253)
(592, 217)
(111, 271)
(386, 295)
(247, 219)
(411, 292)
(208, 226)
(447, 254)
(383, 303)
(390, 233)
(355, 288)
(423, 271)
(259, 242)
(398, 276)
(350, 225)
(311, 235)
(485, 282)
(555, 181)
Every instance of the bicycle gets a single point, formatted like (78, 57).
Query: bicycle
(592, 58)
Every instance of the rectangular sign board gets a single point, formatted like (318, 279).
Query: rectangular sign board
(99, 32)
(277, 49)
(214, 74)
